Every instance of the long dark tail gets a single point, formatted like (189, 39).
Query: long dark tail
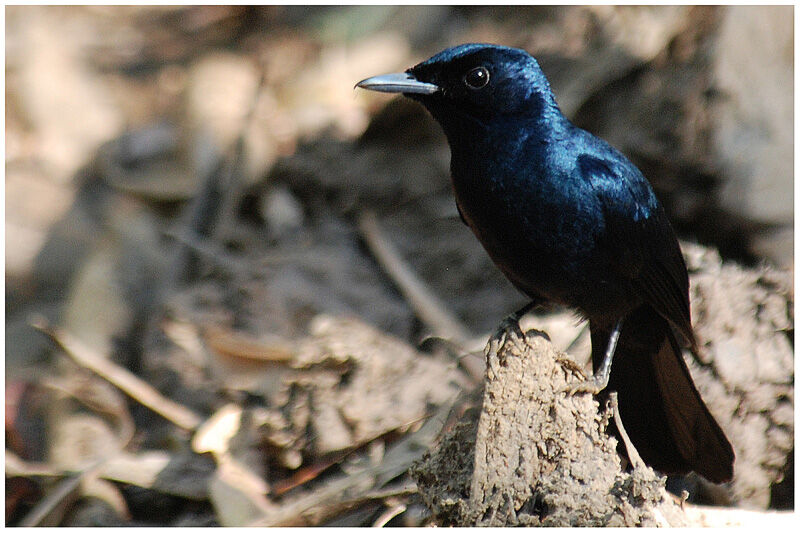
(661, 410)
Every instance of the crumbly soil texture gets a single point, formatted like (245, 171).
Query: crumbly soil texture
(535, 455)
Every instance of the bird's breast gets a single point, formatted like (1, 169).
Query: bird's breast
(535, 231)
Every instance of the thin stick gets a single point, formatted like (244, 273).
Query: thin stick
(121, 378)
(389, 514)
(633, 455)
(403, 490)
(65, 491)
(425, 304)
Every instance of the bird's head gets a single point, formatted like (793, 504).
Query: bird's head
(474, 84)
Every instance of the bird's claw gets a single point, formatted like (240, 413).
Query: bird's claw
(572, 366)
(592, 385)
(508, 330)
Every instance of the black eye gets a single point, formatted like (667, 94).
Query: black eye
(477, 78)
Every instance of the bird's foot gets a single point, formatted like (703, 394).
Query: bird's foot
(508, 330)
(572, 366)
(599, 381)
(593, 385)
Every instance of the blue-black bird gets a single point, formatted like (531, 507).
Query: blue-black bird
(571, 221)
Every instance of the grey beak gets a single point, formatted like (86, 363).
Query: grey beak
(401, 82)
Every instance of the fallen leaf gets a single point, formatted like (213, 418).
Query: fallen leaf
(215, 433)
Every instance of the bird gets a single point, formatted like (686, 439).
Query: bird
(570, 221)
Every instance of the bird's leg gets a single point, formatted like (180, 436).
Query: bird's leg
(512, 321)
(600, 379)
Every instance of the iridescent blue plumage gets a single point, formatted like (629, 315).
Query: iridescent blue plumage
(570, 220)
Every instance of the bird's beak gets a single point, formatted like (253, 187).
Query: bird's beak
(402, 82)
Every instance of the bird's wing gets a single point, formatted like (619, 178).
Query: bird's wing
(638, 235)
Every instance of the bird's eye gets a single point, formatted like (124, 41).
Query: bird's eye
(477, 78)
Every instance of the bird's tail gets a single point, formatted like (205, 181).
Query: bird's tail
(660, 407)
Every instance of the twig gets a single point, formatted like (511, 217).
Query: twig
(389, 514)
(633, 455)
(684, 497)
(16, 467)
(311, 472)
(141, 469)
(232, 172)
(121, 378)
(302, 476)
(402, 490)
(425, 304)
(42, 513)
(211, 208)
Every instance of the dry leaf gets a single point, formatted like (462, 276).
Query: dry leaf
(216, 432)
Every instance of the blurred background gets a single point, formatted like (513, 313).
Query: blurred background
(194, 194)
